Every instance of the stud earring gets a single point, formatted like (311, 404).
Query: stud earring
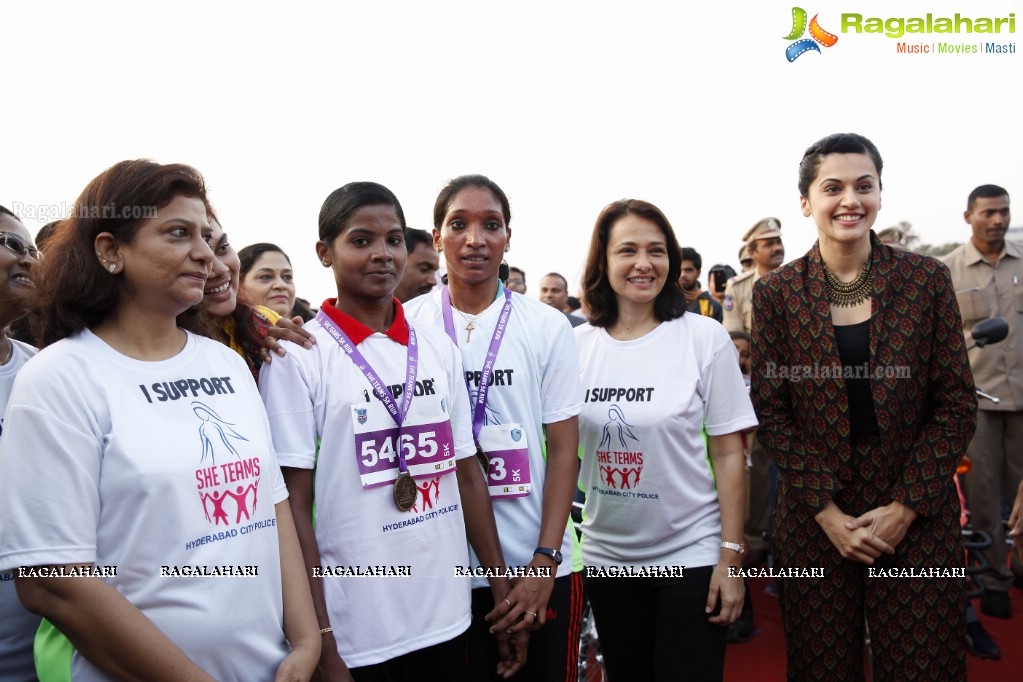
(112, 268)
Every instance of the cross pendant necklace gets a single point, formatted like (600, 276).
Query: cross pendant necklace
(470, 327)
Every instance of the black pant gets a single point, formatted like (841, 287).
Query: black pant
(553, 654)
(442, 662)
(656, 629)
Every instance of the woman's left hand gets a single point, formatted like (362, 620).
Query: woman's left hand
(298, 666)
(529, 596)
(888, 523)
(288, 330)
(730, 591)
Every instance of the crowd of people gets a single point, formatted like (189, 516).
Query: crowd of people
(204, 477)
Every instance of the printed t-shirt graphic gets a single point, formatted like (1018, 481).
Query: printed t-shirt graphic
(131, 484)
(535, 380)
(320, 393)
(619, 455)
(650, 496)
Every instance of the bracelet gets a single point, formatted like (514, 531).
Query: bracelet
(326, 630)
(736, 547)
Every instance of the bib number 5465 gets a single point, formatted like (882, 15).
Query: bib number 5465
(374, 450)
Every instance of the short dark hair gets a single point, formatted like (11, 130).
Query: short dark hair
(251, 253)
(518, 270)
(985, 192)
(838, 143)
(600, 297)
(447, 195)
(414, 237)
(559, 276)
(693, 257)
(73, 290)
(725, 268)
(342, 203)
(741, 336)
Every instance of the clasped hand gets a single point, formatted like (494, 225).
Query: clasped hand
(867, 537)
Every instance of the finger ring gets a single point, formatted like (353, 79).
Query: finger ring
(531, 613)
(508, 603)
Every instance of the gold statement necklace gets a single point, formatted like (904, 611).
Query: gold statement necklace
(848, 294)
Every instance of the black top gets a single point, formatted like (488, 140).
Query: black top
(854, 350)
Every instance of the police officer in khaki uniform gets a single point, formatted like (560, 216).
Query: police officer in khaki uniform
(745, 260)
(763, 241)
(987, 272)
(893, 237)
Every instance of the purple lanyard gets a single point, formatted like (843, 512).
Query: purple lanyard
(362, 363)
(479, 409)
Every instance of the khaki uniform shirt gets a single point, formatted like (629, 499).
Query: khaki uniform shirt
(984, 290)
(738, 303)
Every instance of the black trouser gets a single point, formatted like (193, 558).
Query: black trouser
(553, 654)
(442, 662)
(656, 629)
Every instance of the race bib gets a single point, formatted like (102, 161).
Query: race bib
(426, 441)
(508, 453)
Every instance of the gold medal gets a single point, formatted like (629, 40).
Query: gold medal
(405, 491)
(484, 461)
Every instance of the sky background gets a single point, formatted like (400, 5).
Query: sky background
(568, 106)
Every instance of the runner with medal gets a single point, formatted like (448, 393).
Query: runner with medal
(376, 410)
(522, 379)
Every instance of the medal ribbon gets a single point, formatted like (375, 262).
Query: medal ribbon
(411, 369)
(479, 409)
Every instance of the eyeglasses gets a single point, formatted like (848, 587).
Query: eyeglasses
(17, 245)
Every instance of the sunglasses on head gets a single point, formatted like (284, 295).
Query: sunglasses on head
(17, 245)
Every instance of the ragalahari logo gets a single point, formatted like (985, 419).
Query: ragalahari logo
(817, 35)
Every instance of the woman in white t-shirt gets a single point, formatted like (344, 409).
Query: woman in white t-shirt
(153, 480)
(19, 255)
(662, 503)
(530, 398)
(371, 427)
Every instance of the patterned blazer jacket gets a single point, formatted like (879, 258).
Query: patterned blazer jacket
(920, 378)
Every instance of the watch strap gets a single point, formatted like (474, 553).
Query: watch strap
(554, 554)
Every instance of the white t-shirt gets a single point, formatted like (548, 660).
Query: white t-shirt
(317, 394)
(535, 382)
(650, 496)
(136, 466)
(17, 626)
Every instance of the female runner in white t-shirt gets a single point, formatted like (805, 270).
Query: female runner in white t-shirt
(17, 626)
(658, 508)
(375, 410)
(118, 484)
(532, 396)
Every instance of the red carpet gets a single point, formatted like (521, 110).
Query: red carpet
(763, 657)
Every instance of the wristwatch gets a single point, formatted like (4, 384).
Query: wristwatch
(734, 546)
(554, 554)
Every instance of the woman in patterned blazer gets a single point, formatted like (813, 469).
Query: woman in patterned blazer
(866, 404)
